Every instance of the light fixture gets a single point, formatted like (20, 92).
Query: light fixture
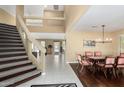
(103, 40)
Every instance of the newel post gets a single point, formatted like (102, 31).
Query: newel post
(41, 64)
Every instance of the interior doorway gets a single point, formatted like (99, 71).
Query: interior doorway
(53, 47)
(59, 47)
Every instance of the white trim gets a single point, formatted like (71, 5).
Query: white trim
(119, 43)
(43, 73)
(72, 62)
(39, 35)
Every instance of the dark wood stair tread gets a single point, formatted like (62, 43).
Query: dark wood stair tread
(16, 70)
(11, 44)
(12, 81)
(14, 64)
(11, 58)
(9, 37)
(9, 53)
(7, 48)
(9, 32)
(10, 40)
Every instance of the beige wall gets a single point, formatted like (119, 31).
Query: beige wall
(19, 11)
(50, 26)
(47, 29)
(53, 14)
(6, 17)
(53, 23)
(73, 14)
(74, 44)
(116, 39)
(50, 13)
(74, 39)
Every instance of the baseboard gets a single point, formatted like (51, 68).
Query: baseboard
(43, 73)
(72, 62)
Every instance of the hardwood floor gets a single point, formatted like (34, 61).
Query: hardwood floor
(88, 79)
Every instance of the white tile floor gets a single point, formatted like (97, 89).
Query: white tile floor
(57, 71)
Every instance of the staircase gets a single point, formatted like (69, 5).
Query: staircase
(15, 67)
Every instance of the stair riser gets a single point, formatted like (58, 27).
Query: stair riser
(16, 74)
(23, 81)
(8, 28)
(12, 55)
(12, 61)
(12, 38)
(11, 42)
(8, 32)
(7, 25)
(11, 50)
(13, 67)
(11, 45)
(6, 42)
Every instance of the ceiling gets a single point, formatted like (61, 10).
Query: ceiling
(38, 10)
(112, 16)
(11, 9)
(51, 7)
(29, 10)
(33, 10)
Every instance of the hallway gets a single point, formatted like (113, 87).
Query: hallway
(57, 71)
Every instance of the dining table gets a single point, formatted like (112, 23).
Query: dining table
(95, 60)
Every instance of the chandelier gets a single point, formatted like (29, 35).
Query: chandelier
(103, 39)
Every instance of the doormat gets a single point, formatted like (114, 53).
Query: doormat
(56, 85)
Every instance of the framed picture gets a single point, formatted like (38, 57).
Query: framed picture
(89, 43)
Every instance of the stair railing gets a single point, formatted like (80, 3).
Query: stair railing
(28, 40)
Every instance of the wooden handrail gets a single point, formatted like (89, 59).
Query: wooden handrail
(30, 38)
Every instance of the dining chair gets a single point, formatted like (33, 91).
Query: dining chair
(121, 54)
(79, 59)
(119, 65)
(97, 53)
(88, 53)
(109, 64)
(83, 62)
